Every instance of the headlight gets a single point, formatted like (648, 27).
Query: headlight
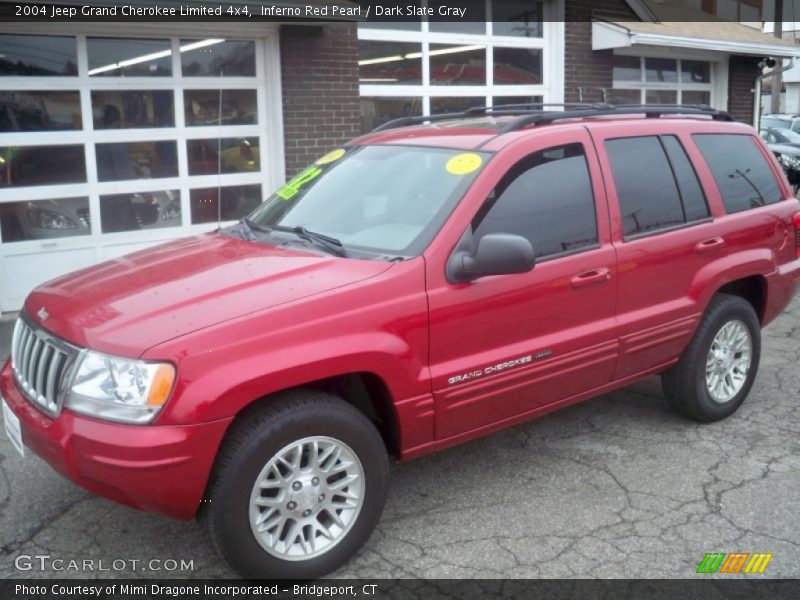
(47, 219)
(790, 161)
(119, 389)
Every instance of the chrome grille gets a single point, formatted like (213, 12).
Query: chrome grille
(40, 362)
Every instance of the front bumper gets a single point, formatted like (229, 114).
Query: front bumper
(162, 469)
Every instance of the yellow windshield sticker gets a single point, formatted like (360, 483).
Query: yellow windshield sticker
(331, 157)
(293, 187)
(461, 164)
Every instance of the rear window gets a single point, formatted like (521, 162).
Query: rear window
(743, 177)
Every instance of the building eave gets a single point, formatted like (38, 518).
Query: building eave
(607, 35)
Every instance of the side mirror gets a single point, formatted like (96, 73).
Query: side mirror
(497, 254)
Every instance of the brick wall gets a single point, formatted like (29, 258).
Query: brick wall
(742, 72)
(588, 72)
(319, 75)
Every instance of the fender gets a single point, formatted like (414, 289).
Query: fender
(737, 265)
(234, 384)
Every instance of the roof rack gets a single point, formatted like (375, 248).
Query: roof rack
(535, 116)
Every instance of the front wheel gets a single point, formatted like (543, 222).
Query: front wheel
(298, 487)
(716, 371)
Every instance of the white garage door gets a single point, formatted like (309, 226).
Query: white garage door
(110, 144)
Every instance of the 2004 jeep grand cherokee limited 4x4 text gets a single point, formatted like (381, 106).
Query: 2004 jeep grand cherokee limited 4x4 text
(428, 283)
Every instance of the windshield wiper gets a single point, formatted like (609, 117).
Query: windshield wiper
(331, 244)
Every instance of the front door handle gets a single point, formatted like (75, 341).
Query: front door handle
(711, 245)
(593, 277)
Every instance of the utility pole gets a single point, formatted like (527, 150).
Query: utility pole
(777, 79)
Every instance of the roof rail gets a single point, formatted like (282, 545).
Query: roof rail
(528, 108)
(528, 115)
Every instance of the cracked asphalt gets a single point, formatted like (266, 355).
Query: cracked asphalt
(615, 487)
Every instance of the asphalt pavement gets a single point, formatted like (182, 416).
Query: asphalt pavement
(618, 486)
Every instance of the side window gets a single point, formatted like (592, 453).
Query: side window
(657, 187)
(546, 197)
(743, 177)
(694, 201)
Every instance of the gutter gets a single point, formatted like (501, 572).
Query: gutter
(757, 93)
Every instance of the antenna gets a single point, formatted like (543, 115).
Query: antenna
(219, 155)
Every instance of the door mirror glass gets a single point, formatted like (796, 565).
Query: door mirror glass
(497, 254)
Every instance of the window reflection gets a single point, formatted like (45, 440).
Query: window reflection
(458, 65)
(236, 202)
(217, 57)
(145, 210)
(379, 110)
(39, 111)
(519, 18)
(38, 55)
(201, 107)
(448, 105)
(41, 165)
(120, 57)
(517, 66)
(44, 219)
(661, 70)
(129, 109)
(136, 160)
(230, 155)
(389, 63)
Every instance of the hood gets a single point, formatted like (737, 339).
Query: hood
(127, 305)
(789, 149)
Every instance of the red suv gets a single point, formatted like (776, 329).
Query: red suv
(433, 281)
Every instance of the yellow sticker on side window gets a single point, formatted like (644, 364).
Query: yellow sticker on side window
(461, 164)
(293, 187)
(331, 157)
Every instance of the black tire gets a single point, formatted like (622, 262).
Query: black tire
(685, 383)
(254, 439)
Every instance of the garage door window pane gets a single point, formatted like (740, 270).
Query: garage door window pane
(236, 155)
(627, 68)
(201, 107)
(661, 97)
(44, 219)
(146, 210)
(517, 66)
(116, 109)
(695, 71)
(518, 18)
(120, 57)
(38, 55)
(625, 97)
(39, 111)
(458, 65)
(453, 104)
(646, 190)
(525, 100)
(136, 160)
(379, 110)
(663, 70)
(237, 201)
(218, 58)
(692, 97)
(41, 165)
(389, 63)
(743, 177)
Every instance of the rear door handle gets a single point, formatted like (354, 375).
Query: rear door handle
(711, 245)
(593, 277)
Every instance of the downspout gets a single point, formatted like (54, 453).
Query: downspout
(759, 80)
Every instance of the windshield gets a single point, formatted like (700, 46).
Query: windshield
(787, 136)
(768, 123)
(381, 199)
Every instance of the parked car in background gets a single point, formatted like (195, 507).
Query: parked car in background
(781, 121)
(785, 145)
(419, 287)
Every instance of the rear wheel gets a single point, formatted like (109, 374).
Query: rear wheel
(298, 487)
(717, 369)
